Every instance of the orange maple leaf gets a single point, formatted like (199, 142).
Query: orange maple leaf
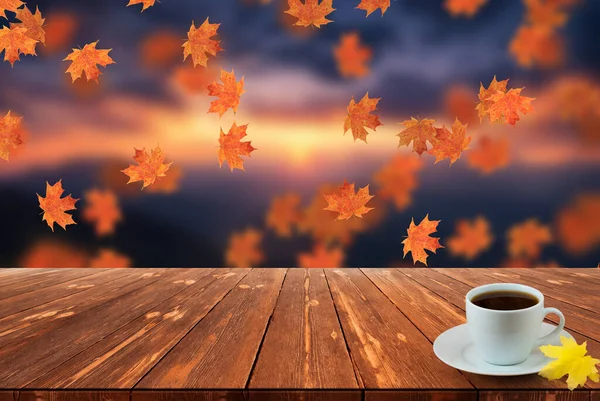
(283, 214)
(418, 239)
(489, 154)
(311, 12)
(10, 134)
(60, 29)
(145, 3)
(534, 45)
(321, 257)
(86, 59)
(243, 249)
(107, 258)
(398, 179)
(231, 147)
(348, 203)
(458, 103)
(502, 106)
(149, 168)
(449, 145)
(470, 238)
(544, 13)
(467, 8)
(194, 80)
(578, 225)
(52, 253)
(199, 43)
(371, 5)
(160, 49)
(9, 5)
(359, 117)
(169, 183)
(14, 42)
(32, 22)
(102, 209)
(527, 239)
(54, 207)
(228, 93)
(418, 132)
(351, 57)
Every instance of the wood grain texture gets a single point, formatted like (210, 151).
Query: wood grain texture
(28, 359)
(313, 395)
(534, 396)
(187, 395)
(98, 395)
(25, 283)
(595, 396)
(220, 351)
(121, 359)
(448, 395)
(389, 351)
(305, 346)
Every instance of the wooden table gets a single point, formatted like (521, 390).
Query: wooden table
(263, 334)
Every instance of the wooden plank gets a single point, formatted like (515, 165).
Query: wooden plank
(589, 274)
(8, 271)
(299, 395)
(452, 290)
(480, 277)
(121, 359)
(96, 395)
(37, 321)
(429, 312)
(19, 303)
(187, 395)
(448, 395)
(14, 275)
(220, 351)
(534, 395)
(26, 360)
(304, 346)
(595, 396)
(388, 350)
(33, 282)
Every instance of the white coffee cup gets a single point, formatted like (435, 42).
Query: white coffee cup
(507, 337)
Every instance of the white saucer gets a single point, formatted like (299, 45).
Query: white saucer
(454, 348)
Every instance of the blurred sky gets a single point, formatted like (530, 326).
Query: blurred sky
(295, 103)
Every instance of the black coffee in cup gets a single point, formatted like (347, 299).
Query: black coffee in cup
(505, 300)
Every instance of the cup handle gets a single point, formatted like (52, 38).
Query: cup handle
(548, 338)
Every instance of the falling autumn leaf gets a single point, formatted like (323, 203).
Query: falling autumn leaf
(54, 207)
(398, 179)
(570, 359)
(352, 58)
(459, 102)
(194, 80)
(145, 3)
(545, 14)
(107, 258)
(169, 183)
(418, 239)
(10, 134)
(14, 42)
(371, 5)
(322, 257)
(228, 93)
(359, 117)
(149, 168)
(485, 94)
(199, 43)
(467, 8)
(310, 12)
(578, 225)
(284, 214)
(527, 239)
(231, 147)
(9, 5)
(160, 49)
(501, 106)
(86, 60)
(60, 28)
(348, 203)
(449, 145)
(471, 238)
(51, 253)
(102, 209)
(539, 46)
(32, 22)
(418, 132)
(489, 154)
(243, 249)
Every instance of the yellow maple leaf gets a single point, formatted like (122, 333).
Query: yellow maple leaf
(228, 93)
(570, 359)
(85, 60)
